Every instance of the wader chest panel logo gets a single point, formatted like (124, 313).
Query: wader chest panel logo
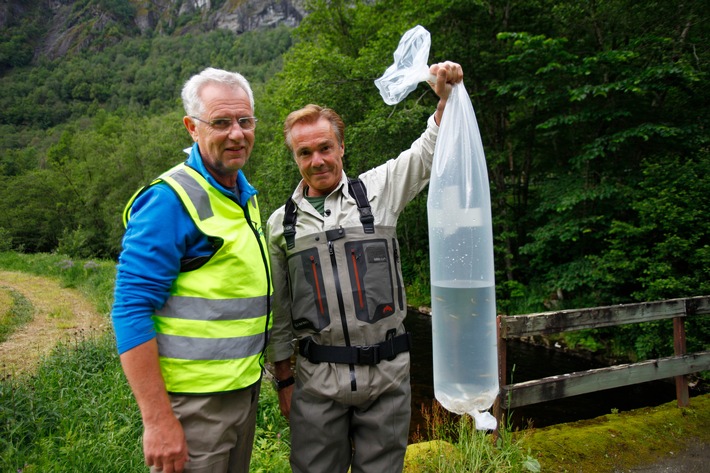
(376, 255)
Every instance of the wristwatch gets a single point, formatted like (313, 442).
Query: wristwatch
(283, 383)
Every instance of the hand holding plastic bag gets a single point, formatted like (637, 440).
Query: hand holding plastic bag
(409, 68)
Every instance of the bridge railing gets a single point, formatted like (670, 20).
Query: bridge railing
(582, 382)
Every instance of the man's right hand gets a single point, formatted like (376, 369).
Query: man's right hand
(164, 446)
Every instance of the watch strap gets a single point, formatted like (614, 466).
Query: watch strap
(284, 383)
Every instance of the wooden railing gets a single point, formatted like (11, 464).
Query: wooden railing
(572, 384)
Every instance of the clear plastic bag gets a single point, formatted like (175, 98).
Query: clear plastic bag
(464, 338)
(465, 353)
(409, 68)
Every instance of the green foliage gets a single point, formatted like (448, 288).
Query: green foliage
(586, 340)
(592, 117)
(272, 443)
(5, 240)
(135, 76)
(623, 104)
(114, 124)
(19, 34)
(670, 235)
(30, 206)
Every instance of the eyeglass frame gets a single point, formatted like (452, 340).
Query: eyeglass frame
(231, 123)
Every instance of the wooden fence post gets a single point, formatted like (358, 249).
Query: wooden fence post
(681, 381)
(502, 378)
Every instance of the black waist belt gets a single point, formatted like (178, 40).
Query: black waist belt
(358, 355)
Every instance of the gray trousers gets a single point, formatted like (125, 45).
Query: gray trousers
(329, 437)
(219, 429)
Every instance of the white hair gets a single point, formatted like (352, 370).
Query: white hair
(191, 99)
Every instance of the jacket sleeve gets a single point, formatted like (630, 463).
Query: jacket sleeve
(399, 180)
(281, 344)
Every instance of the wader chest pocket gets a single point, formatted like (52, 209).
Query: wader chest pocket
(370, 267)
(306, 277)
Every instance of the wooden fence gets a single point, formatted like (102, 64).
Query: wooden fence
(572, 384)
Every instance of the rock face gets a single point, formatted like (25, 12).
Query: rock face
(76, 25)
(234, 15)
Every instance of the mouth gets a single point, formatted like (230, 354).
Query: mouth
(234, 149)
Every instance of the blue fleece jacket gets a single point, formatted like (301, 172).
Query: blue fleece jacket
(159, 234)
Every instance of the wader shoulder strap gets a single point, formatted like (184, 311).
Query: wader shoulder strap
(357, 191)
(290, 223)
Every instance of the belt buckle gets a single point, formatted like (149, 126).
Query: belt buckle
(306, 350)
(368, 355)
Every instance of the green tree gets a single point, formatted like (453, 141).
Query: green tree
(595, 109)
(31, 209)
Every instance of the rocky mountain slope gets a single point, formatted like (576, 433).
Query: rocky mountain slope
(64, 26)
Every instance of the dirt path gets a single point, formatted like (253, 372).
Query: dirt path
(59, 314)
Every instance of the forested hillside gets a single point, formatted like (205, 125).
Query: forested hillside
(593, 116)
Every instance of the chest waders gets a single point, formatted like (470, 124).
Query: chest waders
(352, 273)
(214, 326)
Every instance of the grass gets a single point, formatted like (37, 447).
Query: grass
(457, 447)
(76, 412)
(15, 311)
(272, 443)
(93, 278)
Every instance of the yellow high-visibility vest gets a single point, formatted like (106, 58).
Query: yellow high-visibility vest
(213, 328)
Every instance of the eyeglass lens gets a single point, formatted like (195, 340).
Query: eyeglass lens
(222, 124)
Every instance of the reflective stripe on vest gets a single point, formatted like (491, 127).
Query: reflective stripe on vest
(211, 330)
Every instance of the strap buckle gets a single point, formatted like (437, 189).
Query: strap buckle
(368, 355)
(305, 346)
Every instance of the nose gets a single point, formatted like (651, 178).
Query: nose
(317, 159)
(235, 130)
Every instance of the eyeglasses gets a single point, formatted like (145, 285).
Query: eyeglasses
(224, 124)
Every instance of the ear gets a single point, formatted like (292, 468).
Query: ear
(190, 125)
